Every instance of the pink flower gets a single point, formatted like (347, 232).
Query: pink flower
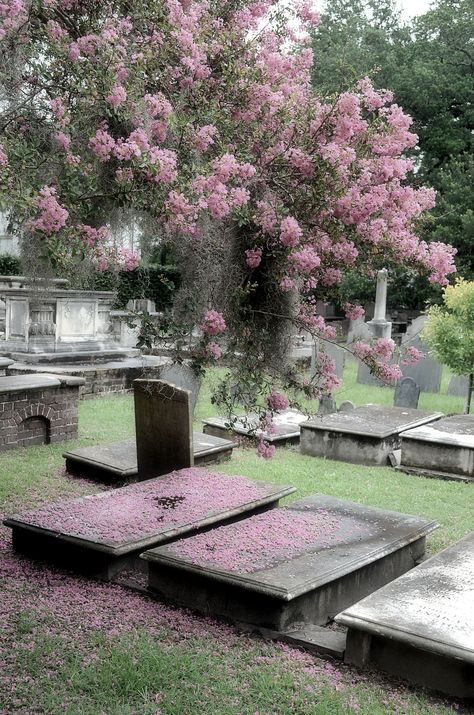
(63, 141)
(265, 450)
(412, 355)
(253, 257)
(305, 260)
(214, 350)
(290, 231)
(213, 323)
(117, 95)
(384, 347)
(204, 137)
(102, 144)
(276, 401)
(53, 216)
(353, 312)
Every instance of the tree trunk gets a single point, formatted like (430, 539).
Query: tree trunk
(467, 408)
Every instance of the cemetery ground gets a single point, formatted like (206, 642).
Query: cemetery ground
(72, 645)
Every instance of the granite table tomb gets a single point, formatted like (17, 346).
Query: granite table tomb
(296, 564)
(102, 534)
(117, 461)
(421, 626)
(441, 449)
(365, 435)
(286, 426)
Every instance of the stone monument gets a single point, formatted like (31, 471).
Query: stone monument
(379, 325)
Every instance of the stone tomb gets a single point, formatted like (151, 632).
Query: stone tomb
(365, 435)
(104, 533)
(118, 461)
(421, 626)
(38, 409)
(441, 449)
(297, 564)
(286, 423)
(164, 439)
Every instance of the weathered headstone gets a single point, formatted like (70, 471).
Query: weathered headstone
(458, 386)
(365, 377)
(333, 351)
(327, 405)
(346, 406)
(358, 330)
(407, 393)
(182, 376)
(164, 431)
(427, 371)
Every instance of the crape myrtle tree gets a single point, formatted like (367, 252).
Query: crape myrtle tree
(449, 331)
(202, 115)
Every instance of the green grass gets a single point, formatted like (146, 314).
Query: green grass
(177, 672)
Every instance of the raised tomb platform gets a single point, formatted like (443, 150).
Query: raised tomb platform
(286, 425)
(102, 534)
(442, 449)
(421, 626)
(117, 461)
(365, 435)
(293, 565)
(46, 327)
(38, 409)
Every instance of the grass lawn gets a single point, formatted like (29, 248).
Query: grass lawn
(74, 646)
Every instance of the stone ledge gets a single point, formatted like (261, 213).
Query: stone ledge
(27, 383)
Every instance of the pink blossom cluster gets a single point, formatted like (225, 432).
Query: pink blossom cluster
(353, 312)
(378, 356)
(253, 257)
(52, 217)
(13, 14)
(213, 350)
(213, 323)
(411, 355)
(205, 137)
(276, 401)
(265, 449)
(290, 231)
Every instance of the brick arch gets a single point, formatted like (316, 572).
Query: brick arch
(33, 410)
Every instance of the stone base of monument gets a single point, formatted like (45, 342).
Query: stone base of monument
(102, 534)
(118, 461)
(365, 435)
(286, 424)
(297, 564)
(421, 626)
(443, 449)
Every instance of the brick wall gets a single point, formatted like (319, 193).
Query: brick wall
(38, 414)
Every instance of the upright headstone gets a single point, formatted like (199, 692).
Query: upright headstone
(379, 325)
(346, 406)
(458, 386)
(163, 420)
(358, 330)
(327, 405)
(183, 376)
(331, 350)
(407, 393)
(427, 371)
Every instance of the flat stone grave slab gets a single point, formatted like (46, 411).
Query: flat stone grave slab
(365, 435)
(295, 565)
(103, 533)
(421, 626)
(118, 460)
(444, 448)
(286, 425)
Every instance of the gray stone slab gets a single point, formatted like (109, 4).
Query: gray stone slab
(118, 460)
(407, 393)
(327, 405)
(98, 533)
(27, 383)
(286, 423)
(317, 639)
(421, 626)
(297, 564)
(5, 362)
(458, 385)
(163, 421)
(445, 446)
(365, 435)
